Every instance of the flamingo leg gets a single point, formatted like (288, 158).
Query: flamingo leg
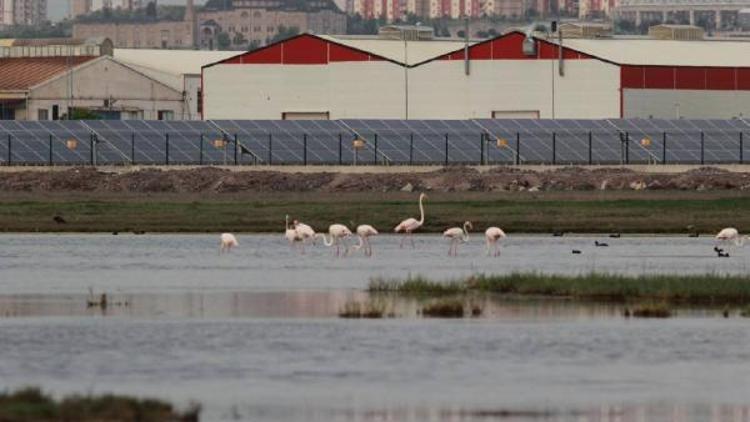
(412, 240)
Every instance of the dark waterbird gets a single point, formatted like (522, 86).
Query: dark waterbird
(576, 251)
(557, 234)
(598, 243)
(59, 219)
(614, 235)
(723, 254)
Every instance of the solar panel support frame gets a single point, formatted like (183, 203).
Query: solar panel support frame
(10, 149)
(236, 149)
(341, 147)
(304, 149)
(482, 140)
(446, 149)
(411, 149)
(132, 148)
(200, 153)
(664, 148)
(554, 148)
(703, 149)
(166, 148)
(270, 149)
(50, 150)
(590, 148)
(741, 148)
(375, 156)
(518, 148)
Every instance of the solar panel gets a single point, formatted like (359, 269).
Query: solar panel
(489, 141)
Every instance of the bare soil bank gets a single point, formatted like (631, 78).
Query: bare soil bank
(215, 181)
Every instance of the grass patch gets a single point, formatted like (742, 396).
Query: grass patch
(369, 309)
(652, 310)
(30, 404)
(574, 212)
(690, 289)
(417, 285)
(444, 308)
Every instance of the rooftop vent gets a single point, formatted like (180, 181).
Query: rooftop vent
(676, 32)
(406, 32)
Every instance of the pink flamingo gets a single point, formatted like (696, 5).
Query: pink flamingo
(493, 235)
(338, 235)
(364, 231)
(410, 224)
(306, 231)
(457, 234)
(227, 242)
(293, 236)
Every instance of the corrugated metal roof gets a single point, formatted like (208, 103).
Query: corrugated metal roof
(21, 73)
(410, 53)
(650, 52)
(175, 62)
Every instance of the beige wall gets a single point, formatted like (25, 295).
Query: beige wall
(437, 90)
(701, 104)
(345, 90)
(150, 35)
(103, 79)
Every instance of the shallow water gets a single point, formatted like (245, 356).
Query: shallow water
(254, 335)
(163, 263)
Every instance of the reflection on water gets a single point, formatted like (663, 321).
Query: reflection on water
(296, 304)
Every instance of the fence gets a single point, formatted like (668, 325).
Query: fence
(367, 143)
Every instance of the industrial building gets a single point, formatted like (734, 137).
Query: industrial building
(43, 78)
(510, 76)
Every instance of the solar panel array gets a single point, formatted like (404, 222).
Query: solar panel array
(478, 141)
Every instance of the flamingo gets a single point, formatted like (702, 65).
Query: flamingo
(410, 224)
(306, 231)
(338, 234)
(456, 234)
(493, 235)
(227, 242)
(364, 231)
(292, 235)
(730, 235)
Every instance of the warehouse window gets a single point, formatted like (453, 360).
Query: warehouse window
(199, 98)
(42, 114)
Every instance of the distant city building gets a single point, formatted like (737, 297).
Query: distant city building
(84, 7)
(588, 9)
(23, 12)
(717, 14)
(251, 23)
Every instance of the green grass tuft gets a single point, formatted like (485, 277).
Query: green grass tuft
(444, 308)
(369, 309)
(31, 404)
(652, 310)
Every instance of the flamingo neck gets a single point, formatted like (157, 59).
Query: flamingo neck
(466, 233)
(286, 222)
(421, 210)
(361, 243)
(326, 241)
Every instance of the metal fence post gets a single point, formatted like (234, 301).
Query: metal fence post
(627, 148)
(10, 149)
(50, 150)
(482, 137)
(341, 143)
(446, 149)
(132, 148)
(236, 149)
(270, 149)
(166, 144)
(200, 157)
(554, 148)
(741, 152)
(411, 149)
(304, 146)
(702, 147)
(375, 160)
(591, 161)
(518, 148)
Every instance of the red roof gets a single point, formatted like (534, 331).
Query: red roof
(21, 73)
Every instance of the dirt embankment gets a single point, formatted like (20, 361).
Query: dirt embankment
(456, 179)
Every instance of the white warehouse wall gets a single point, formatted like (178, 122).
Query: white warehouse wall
(441, 89)
(670, 104)
(266, 91)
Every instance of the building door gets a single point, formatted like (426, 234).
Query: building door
(515, 114)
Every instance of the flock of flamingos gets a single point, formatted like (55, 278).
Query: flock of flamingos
(297, 233)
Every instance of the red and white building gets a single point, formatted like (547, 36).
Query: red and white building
(338, 78)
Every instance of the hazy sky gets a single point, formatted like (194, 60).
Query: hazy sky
(57, 9)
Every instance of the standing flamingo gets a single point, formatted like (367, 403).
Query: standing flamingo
(364, 231)
(456, 234)
(338, 235)
(410, 224)
(293, 236)
(227, 242)
(493, 235)
(729, 235)
(304, 230)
